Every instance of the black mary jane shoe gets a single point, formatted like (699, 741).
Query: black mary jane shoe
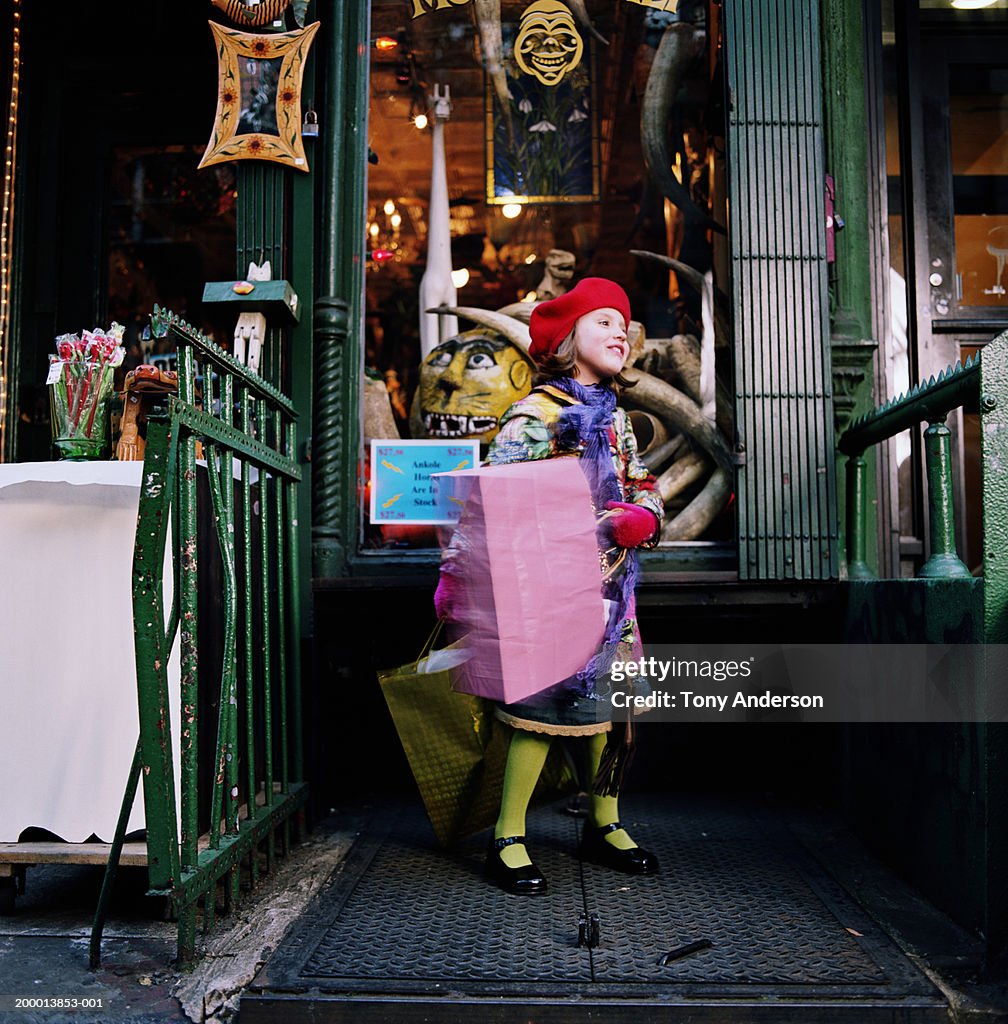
(524, 881)
(635, 861)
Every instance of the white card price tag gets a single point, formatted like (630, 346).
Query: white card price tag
(55, 369)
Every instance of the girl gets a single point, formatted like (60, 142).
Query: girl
(579, 343)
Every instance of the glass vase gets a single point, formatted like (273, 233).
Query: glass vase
(79, 397)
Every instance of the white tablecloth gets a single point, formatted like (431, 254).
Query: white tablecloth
(69, 721)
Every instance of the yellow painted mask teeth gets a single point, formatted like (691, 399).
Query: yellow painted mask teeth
(440, 425)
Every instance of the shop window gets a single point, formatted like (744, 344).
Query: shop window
(571, 136)
(978, 122)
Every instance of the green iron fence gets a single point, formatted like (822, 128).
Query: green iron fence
(224, 454)
(930, 401)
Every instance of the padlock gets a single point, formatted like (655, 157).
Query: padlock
(310, 127)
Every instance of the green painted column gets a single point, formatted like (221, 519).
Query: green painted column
(302, 263)
(329, 320)
(843, 47)
(850, 291)
(338, 316)
(786, 490)
(329, 547)
(944, 563)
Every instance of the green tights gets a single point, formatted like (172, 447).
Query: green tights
(526, 757)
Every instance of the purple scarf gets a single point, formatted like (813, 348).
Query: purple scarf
(586, 426)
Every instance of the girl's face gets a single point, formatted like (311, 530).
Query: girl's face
(602, 347)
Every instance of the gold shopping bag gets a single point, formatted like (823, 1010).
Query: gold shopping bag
(455, 746)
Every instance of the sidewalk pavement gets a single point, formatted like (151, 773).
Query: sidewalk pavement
(44, 944)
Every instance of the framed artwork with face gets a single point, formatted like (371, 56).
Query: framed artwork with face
(542, 130)
(259, 96)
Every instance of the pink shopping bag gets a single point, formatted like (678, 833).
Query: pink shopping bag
(529, 565)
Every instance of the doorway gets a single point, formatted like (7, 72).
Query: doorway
(947, 162)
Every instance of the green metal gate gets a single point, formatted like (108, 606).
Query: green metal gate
(253, 782)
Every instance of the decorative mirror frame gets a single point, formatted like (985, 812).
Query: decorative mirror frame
(286, 147)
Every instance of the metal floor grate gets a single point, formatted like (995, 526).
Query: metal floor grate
(402, 917)
(417, 914)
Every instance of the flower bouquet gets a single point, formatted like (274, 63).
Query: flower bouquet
(80, 386)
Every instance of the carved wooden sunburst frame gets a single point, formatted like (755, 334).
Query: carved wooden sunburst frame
(286, 146)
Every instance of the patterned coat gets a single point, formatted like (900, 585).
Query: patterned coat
(528, 432)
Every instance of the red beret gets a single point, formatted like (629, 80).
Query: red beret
(553, 320)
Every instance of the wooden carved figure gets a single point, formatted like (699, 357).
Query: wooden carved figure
(250, 330)
(141, 384)
(131, 445)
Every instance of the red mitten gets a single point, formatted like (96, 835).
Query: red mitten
(632, 525)
(446, 597)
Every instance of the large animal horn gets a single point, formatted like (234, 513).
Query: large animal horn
(488, 22)
(712, 298)
(681, 474)
(680, 46)
(519, 310)
(514, 330)
(671, 405)
(658, 457)
(581, 13)
(688, 273)
(704, 284)
(691, 522)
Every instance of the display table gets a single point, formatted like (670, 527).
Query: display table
(70, 723)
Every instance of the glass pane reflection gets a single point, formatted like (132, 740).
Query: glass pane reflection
(978, 108)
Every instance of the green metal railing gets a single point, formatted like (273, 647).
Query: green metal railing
(246, 785)
(971, 386)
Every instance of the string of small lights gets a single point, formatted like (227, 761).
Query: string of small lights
(7, 220)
